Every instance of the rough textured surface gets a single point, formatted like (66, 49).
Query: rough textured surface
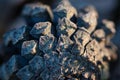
(8, 69)
(87, 18)
(47, 43)
(14, 35)
(24, 73)
(36, 64)
(41, 28)
(29, 48)
(82, 35)
(64, 9)
(64, 43)
(62, 49)
(37, 12)
(66, 27)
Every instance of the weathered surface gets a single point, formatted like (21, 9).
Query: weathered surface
(13, 65)
(77, 68)
(65, 27)
(64, 9)
(82, 36)
(36, 64)
(29, 48)
(41, 28)
(37, 12)
(14, 35)
(24, 73)
(87, 18)
(47, 43)
(64, 43)
(92, 51)
(62, 49)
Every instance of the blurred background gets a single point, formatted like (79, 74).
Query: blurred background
(10, 17)
(10, 10)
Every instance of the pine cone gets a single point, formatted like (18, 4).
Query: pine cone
(59, 45)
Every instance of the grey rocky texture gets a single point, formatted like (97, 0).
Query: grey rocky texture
(37, 12)
(36, 64)
(12, 66)
(82, 35)
(87, 18)
(41, 28)
(47, 43)
(66, 27)
(72, 52)
(29, 48)
(64, 9)
(64, 43)
(92, 51)
(24, 73)
(15, 35)
(77, 48)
